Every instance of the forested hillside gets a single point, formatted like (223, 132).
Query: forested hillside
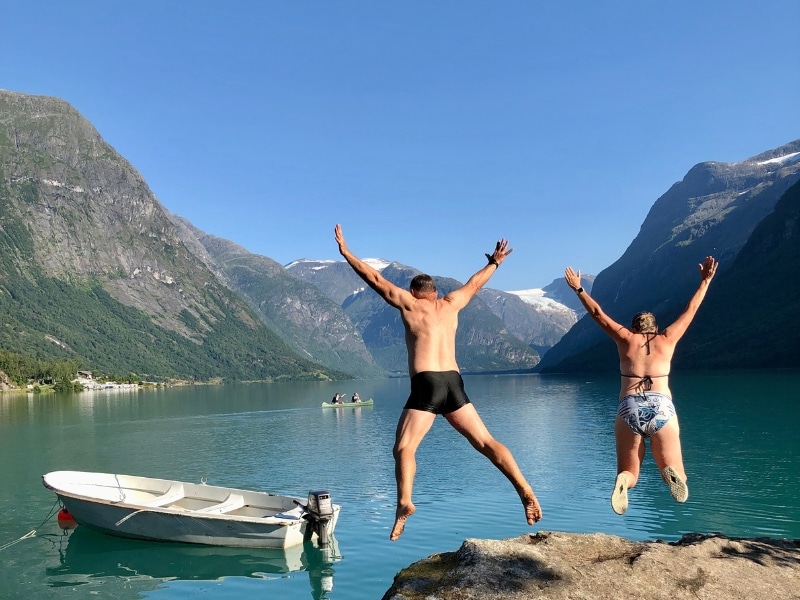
(93, 270)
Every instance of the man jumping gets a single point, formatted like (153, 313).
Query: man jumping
(436, 386)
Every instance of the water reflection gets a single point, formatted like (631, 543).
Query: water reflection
(85, 555)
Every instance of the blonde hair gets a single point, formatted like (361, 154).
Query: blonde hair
(643, 322)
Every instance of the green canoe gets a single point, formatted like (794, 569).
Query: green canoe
(347, 404)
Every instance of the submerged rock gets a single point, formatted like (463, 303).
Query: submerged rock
(605, 567)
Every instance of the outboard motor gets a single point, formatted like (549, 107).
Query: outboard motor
(320, 513)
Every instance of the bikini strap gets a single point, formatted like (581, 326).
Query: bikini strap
(645, 381)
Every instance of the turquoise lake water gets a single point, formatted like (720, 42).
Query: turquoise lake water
(740, 443)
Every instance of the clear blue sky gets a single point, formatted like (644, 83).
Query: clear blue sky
(428, 129)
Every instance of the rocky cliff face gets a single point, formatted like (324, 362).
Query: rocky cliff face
(753, 317)
(90, 214)
(711, 212)
(91, 260)
(574, 566)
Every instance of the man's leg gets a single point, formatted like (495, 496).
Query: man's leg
(630, 454)
(411, 428)
(468, 423)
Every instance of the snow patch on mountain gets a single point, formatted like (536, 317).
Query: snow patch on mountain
(321, 263)
(782, 160)
(537, 297)
(379, 264)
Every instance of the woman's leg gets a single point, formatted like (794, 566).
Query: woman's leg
(630, 451)
(666, 447)
(630, 454)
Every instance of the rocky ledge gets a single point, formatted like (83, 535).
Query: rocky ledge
(605, 567)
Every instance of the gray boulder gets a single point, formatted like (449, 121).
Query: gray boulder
(605, 567)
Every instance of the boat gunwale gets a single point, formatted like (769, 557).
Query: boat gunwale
(186, 512)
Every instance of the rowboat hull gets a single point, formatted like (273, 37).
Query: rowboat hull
(348, 404)
(173, 511)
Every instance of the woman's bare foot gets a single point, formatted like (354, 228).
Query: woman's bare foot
(533, 512)
(403, 512)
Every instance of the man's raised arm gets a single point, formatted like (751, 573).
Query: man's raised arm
(392, 294)
(461, 297)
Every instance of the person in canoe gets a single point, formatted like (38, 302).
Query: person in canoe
(436, 386)
(355, 398)
(645, 408)
(336, 399)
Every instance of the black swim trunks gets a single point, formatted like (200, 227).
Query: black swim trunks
(439, 392)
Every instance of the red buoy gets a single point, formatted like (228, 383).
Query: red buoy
(65, 520)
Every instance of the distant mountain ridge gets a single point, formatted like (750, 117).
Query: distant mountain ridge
(483, 342)
(306, 319)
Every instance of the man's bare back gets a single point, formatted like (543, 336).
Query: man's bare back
(430, 325)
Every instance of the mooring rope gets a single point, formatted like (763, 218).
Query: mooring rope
(32, 532)
(51, 513)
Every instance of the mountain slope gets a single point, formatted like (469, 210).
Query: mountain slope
(531, 316)
(312, 324)
(91, 258)
(761, 327)
(334, 278)
(712, 211)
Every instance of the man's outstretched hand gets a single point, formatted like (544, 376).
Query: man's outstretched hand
(501, 250)
(340, 239)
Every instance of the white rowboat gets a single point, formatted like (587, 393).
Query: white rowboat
(174, 511)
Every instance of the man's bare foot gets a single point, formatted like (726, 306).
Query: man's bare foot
(533, 512)
(403, 512)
